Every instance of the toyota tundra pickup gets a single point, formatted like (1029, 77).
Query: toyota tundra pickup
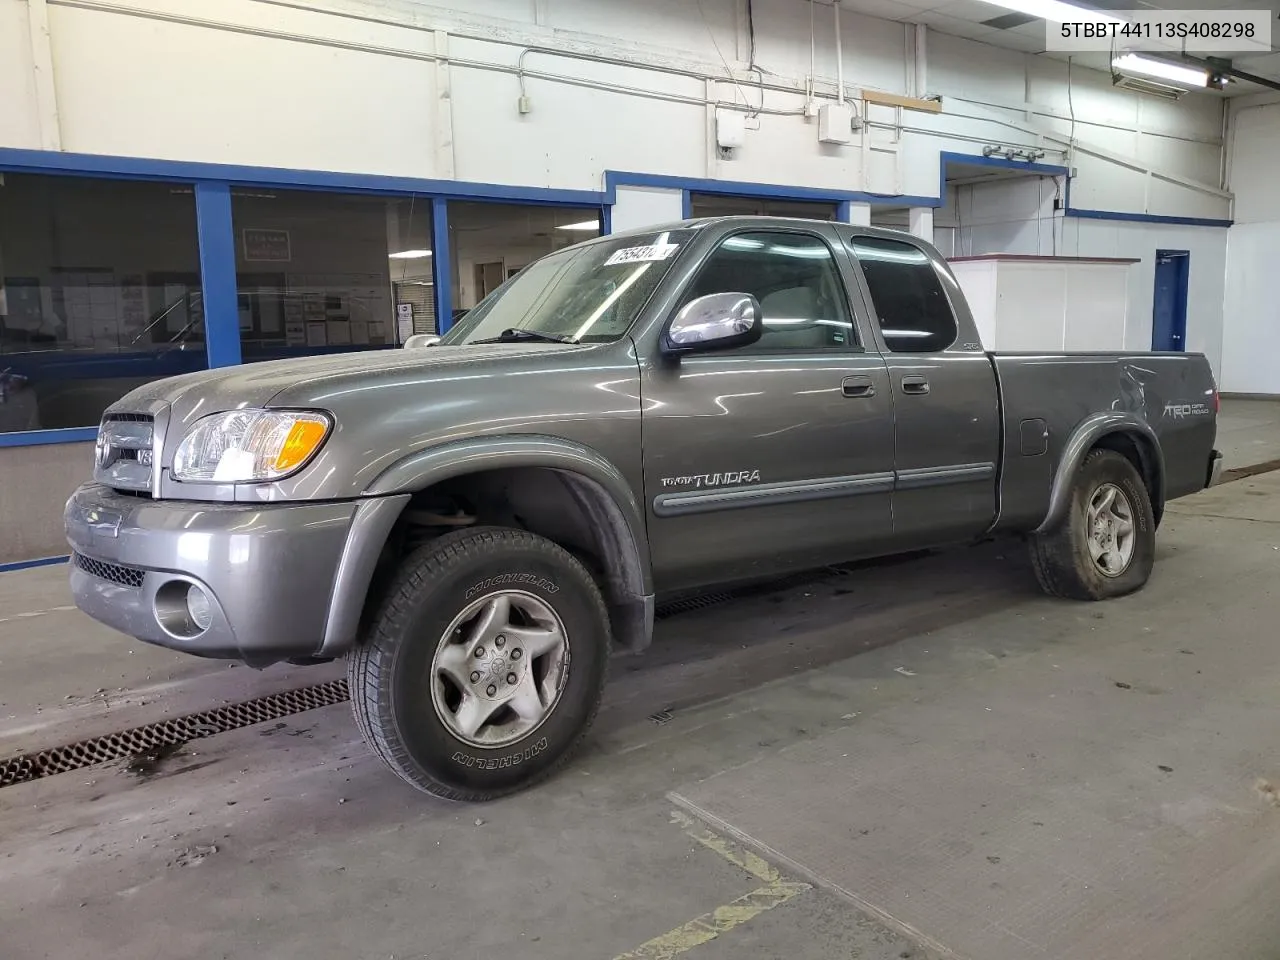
(479, 523)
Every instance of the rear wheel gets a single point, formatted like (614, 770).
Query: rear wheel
(485, 665)
(1104, 546)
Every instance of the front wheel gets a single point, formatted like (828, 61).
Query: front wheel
(485, 665)
(1105, 544)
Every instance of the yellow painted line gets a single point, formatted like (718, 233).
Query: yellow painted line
(755, 865)
(722, 919)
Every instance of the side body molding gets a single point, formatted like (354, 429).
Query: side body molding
(596, 484)
(1087, 433)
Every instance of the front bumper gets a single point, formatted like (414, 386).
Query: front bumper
(1215, 468)
(279, 578)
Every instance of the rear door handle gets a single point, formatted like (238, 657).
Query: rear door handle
(858, 387)
(915, 385)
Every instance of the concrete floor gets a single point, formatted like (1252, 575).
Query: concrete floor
(1249, 432)
(920, 758)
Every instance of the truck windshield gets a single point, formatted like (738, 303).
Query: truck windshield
(589, 293)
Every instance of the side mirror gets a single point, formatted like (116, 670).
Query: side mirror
(421, 340)
(718, 321)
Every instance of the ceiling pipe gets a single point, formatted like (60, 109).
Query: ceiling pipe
(921, 63)
(839, 56)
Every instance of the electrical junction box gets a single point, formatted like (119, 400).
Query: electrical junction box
(731, 129)
(835, 123)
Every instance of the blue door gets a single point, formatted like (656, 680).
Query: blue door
(1169, 305)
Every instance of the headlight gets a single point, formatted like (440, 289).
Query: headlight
(243, 446)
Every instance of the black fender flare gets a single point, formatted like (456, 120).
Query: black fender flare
(1082, 440)
(594, 481)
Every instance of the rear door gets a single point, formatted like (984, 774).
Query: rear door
(946, 407)
(776, 455)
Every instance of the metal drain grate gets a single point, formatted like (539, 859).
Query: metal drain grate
(178, 730)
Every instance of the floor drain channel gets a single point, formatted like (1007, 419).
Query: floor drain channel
(177, 730)
(1252, 470)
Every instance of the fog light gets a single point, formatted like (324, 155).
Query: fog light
(199, 607)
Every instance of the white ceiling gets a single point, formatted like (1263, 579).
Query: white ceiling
(1001, 27)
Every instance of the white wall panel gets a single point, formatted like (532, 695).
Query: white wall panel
(1251, 332)
(19, 121)
(873, 48)
(786, 150)
(705, 29)
(1029, 313)
(1254, 155)
(1096, 307)
(572, 134)
(637, 207)
(1006, 216)
(146, 88)
(285, 99)
(975, 71)
(1205, 288)
(1251, 336)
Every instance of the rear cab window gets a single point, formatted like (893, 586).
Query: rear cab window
(911, 307)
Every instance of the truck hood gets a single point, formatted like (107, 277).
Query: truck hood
(389, 404)
(307, 381)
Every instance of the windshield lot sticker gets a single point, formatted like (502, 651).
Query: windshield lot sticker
(654, 251)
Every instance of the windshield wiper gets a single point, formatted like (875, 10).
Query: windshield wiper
(516, 334)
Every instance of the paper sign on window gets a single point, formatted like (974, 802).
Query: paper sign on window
(655, 251)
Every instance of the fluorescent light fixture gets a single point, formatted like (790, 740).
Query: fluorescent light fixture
(409, 254)
(1162, 69)
(584, 225)
(1056, 11)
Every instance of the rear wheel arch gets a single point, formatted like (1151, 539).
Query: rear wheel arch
(1125, 434)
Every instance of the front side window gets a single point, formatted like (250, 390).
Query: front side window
(911, 306)
(590, 293)
(796, 281)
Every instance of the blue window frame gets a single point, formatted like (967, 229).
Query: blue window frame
(233, 298)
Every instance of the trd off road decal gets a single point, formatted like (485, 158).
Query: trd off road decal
(1180, 411)
(726, 479)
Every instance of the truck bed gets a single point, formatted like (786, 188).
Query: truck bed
(1047, 399)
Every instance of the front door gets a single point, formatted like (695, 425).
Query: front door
(945, 399)
(774, 456)
(1169, 303)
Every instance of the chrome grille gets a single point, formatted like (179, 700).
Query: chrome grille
(111, 572)
(124, 454)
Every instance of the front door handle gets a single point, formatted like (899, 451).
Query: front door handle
(858, 387)
(915, 385)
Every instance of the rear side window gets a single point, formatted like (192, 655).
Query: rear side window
(911, 306)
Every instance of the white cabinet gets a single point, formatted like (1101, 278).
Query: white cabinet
(1049, 304)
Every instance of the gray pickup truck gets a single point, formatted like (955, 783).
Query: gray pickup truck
(479, 523)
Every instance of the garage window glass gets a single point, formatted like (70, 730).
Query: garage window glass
(911, 306)
(795, 279)
(99, 293)
(330, 272)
